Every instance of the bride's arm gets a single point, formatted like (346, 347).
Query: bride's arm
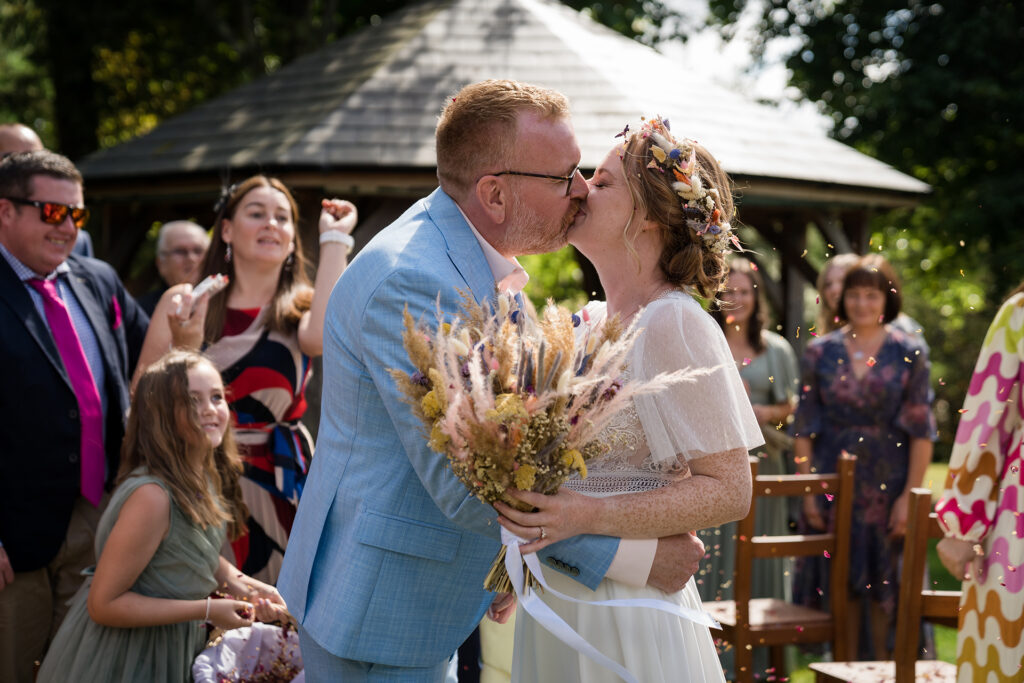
(718, 491)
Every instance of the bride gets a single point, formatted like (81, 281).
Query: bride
(656, 228)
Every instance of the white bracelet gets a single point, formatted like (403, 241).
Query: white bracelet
(206, 619)
(337, 236)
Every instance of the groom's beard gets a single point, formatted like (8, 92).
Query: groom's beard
(528, 233)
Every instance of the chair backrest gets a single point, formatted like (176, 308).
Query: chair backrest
(834, 544)
(917, 601)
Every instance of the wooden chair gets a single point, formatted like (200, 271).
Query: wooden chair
(769, 622)
(916, 602)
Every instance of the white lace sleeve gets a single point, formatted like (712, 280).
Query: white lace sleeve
(710, 414)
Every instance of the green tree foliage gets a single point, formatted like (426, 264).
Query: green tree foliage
(935, 89)
(26, 92)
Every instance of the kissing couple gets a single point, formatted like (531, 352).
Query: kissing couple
(388, 554)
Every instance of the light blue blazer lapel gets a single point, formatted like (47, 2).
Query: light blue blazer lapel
(463, 248)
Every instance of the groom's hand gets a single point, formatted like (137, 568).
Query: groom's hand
(675, 561)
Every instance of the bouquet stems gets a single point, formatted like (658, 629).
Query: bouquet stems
(498, 581)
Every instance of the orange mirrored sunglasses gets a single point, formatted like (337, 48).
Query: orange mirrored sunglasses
(54, 213)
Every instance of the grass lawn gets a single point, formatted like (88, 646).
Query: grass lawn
(945, 637)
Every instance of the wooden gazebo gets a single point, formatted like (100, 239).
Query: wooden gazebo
(356, 119)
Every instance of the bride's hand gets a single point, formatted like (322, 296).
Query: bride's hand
(557, 517)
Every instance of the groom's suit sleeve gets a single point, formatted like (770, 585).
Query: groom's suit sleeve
(584, 558)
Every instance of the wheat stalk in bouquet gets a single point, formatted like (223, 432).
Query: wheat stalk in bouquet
(515, 400)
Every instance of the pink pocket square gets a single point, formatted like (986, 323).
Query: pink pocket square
(117, 312)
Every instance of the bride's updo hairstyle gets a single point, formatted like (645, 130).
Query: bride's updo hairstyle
(677, 184)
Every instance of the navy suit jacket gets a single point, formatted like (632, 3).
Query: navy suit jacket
(40, 431)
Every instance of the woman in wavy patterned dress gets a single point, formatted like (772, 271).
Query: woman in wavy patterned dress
(982, 505)
(677, 460)
(260, 334)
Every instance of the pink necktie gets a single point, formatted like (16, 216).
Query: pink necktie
(90, 409)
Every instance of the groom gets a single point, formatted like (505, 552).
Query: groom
(387, 558)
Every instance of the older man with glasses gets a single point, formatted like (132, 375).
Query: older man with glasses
(180, 248)
(71, 335)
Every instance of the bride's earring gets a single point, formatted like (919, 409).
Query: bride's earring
(227, 254)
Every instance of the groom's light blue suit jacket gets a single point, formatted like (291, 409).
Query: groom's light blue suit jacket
(388, 553)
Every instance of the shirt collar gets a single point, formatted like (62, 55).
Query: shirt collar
(507, 272)
(25, 273)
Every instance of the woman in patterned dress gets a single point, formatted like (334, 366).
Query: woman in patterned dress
(981, 507)
(865, 390)
(260, 334)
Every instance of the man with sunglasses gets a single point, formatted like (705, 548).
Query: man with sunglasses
(385, 564)
(16, 138)
(70, 336)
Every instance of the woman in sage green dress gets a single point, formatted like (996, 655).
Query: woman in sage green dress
(768, 368)
(139, 616)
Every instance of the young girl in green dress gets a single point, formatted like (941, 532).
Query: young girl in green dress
(139, 617)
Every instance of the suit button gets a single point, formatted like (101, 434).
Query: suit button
(73, 457)
(73, 414)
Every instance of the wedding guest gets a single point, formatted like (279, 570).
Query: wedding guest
(677, 460)
(16, 138)
(865, 390)
(980, 507)
(260, 333)
(70, 338)
(830, 289)
(136, 617)
(180, 248)
(768, 368)
(830, 285)
(386, 567)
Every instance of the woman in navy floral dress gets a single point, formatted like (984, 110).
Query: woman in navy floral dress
(866, 391)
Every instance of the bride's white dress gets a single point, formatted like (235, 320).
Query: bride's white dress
(649, 445)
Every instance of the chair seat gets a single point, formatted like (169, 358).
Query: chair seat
(881, 672)
(767, 612)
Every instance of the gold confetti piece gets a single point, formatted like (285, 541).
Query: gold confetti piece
(771, 378)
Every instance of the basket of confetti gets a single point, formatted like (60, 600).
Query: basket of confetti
(261, 653)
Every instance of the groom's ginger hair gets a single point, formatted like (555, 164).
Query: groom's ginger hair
(476, 133)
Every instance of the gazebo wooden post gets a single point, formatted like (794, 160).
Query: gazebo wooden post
(793, 283)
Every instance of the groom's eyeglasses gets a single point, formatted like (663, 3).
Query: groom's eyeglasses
(54, 213)
(567, 179)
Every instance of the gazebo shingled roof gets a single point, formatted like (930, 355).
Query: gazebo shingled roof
(371, 100)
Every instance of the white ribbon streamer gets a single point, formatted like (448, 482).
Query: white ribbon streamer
(547, 618)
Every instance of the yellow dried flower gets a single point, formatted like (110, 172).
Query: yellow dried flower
(438, 439)
(431, 405)
(507, 406)
(574, 459)
(525, 477)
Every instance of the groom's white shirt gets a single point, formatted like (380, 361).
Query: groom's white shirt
(635, 557)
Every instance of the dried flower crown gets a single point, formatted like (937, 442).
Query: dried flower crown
(701, 206)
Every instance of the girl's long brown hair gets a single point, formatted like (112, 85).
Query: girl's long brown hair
(164, 436)
(294, 293)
